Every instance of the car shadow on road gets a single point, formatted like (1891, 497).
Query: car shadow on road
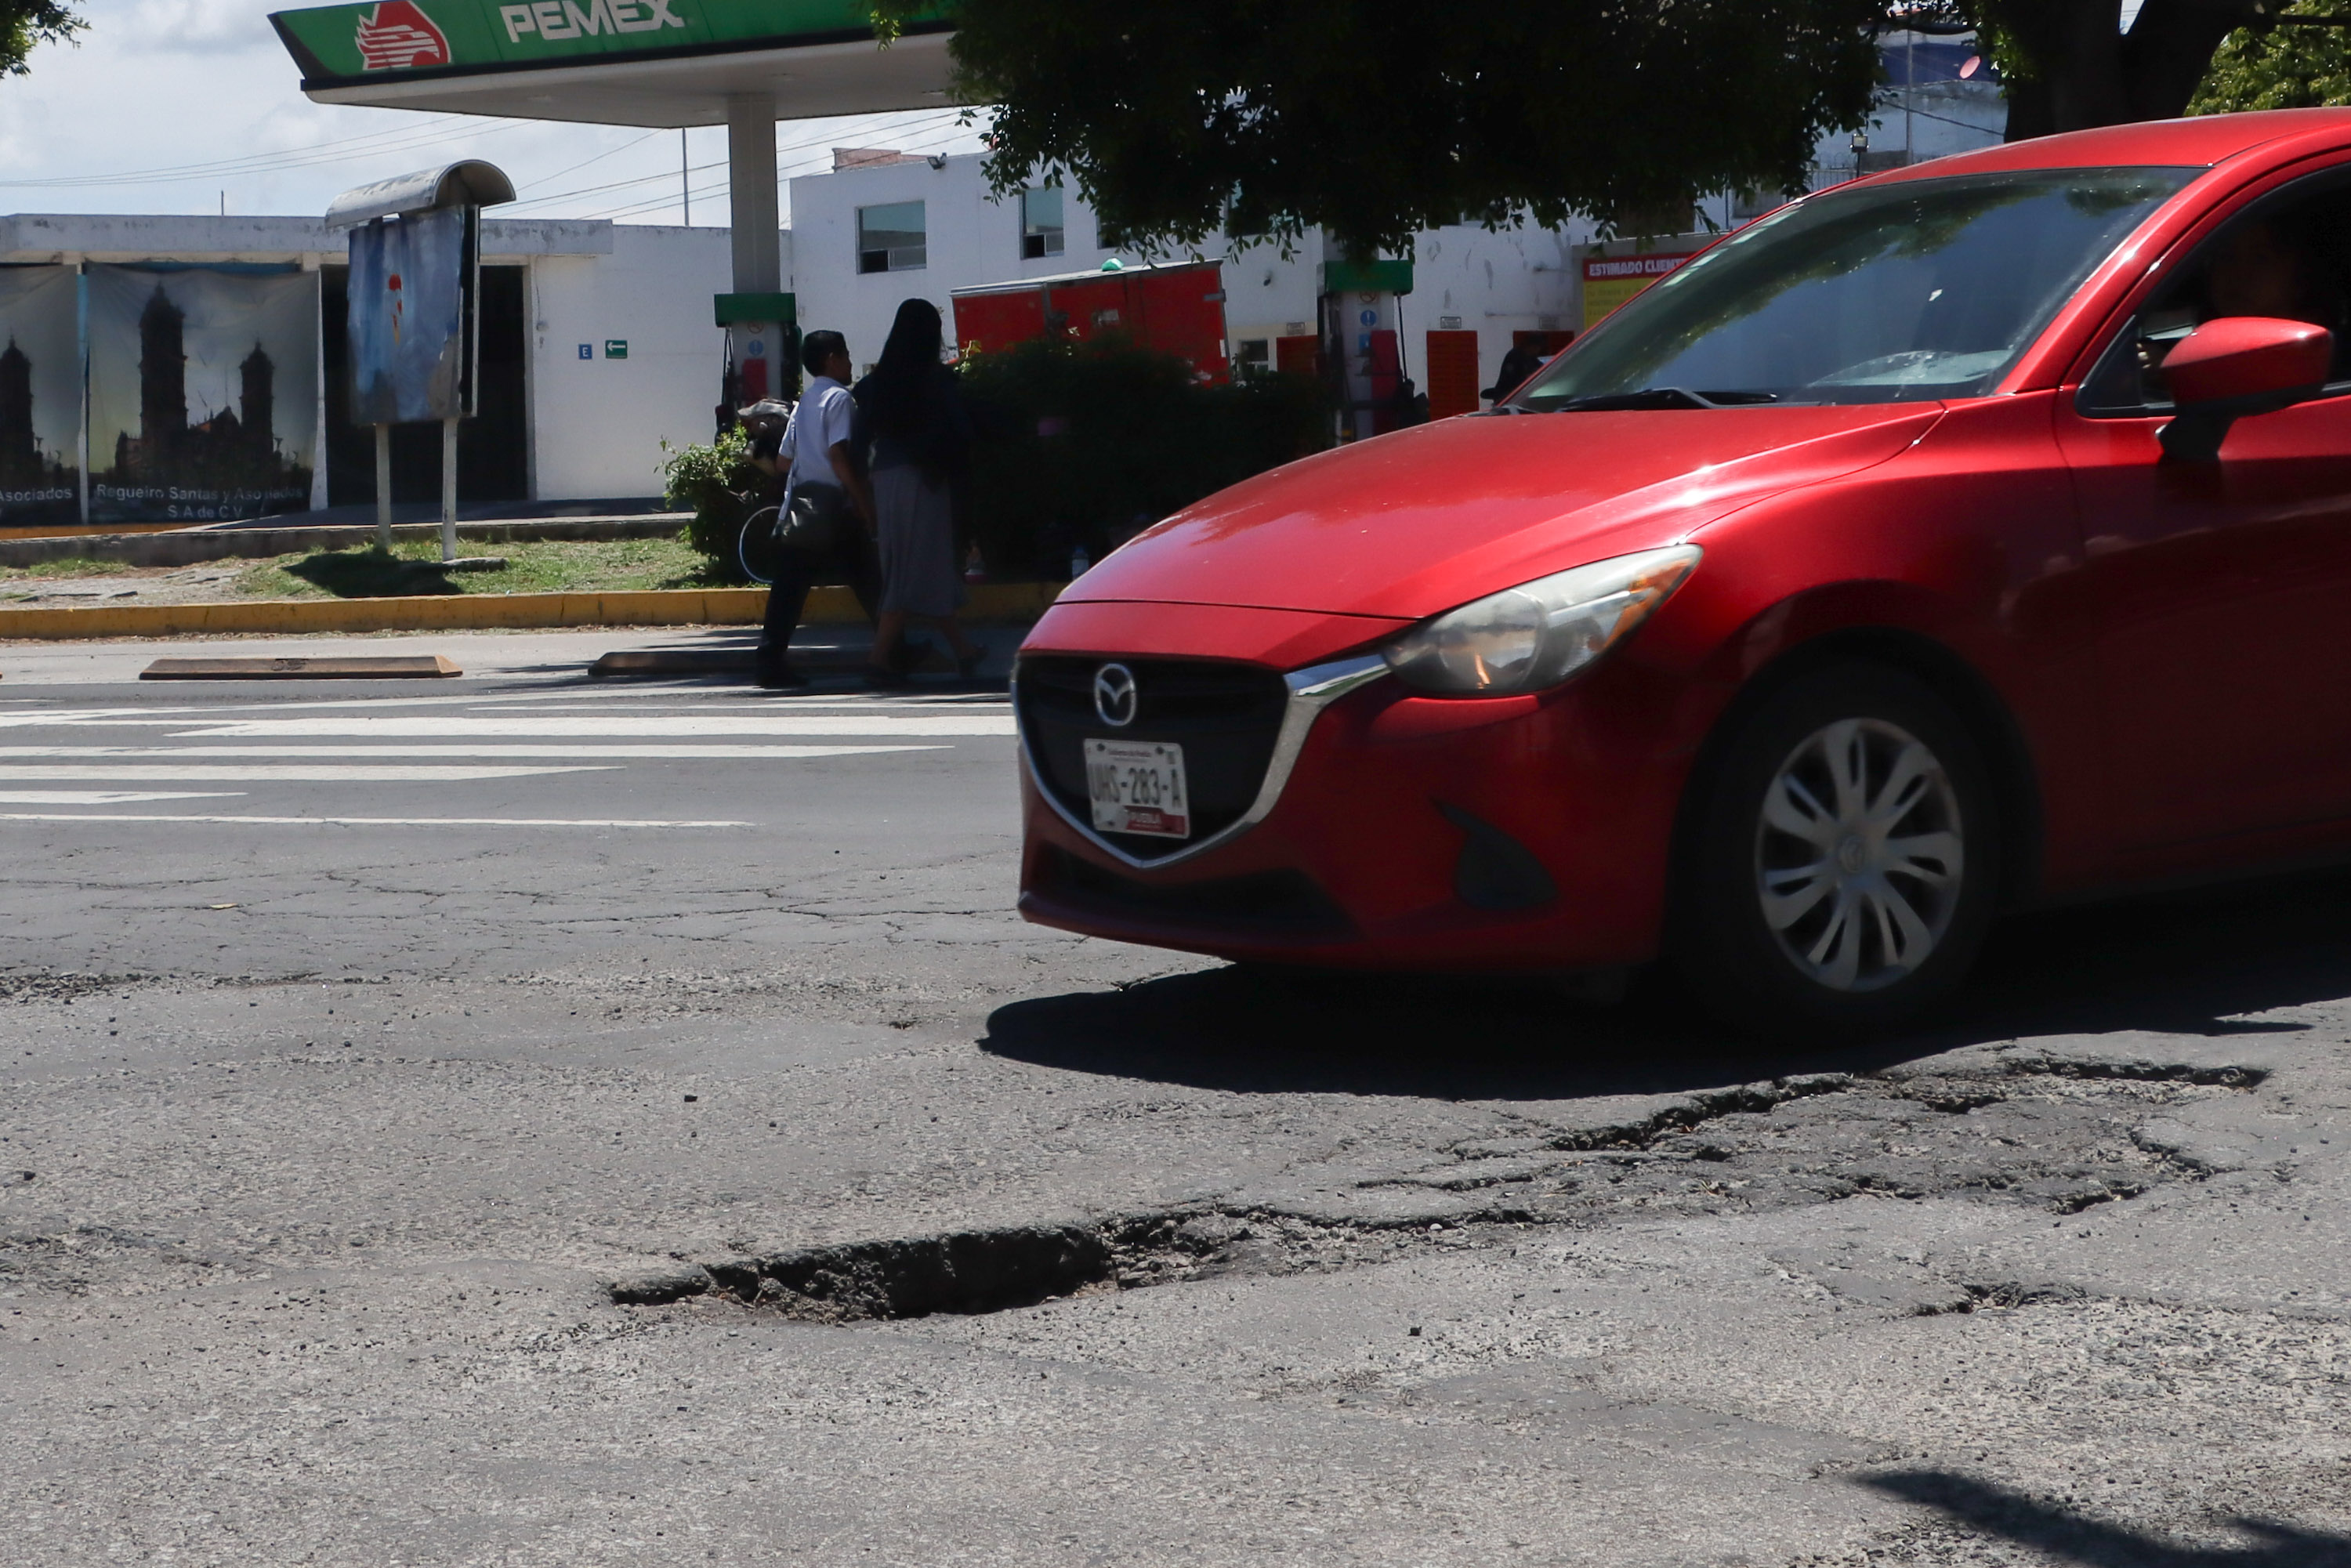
(2071, 1536)
(2181, 963)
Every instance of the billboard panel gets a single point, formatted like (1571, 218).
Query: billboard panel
(409, 354)
(1610, 280)
(40, 395)
(203, 393)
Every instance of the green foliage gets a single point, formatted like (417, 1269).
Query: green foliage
(1374, 117)
(2068, 68)
(2286, 67)
(24, 23)
(709, 480)
(1078, 444)
(533, 566)
(68, 566)
(1082, 443)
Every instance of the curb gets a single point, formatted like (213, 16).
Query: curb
(479, 612)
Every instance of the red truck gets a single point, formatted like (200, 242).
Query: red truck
(1178, 308)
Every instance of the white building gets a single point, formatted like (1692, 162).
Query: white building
(598, 344)
(880, 229)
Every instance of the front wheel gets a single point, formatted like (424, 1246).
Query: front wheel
(1842, 861)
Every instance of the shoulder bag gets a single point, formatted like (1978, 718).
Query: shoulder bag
(813, 520)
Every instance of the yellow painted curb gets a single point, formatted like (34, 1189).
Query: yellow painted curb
(468, 611)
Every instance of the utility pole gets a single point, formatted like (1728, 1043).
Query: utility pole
(1909, 92)
(684, 178)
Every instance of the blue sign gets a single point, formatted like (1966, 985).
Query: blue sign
(1369, 318)
(587, 351)
(758, 348)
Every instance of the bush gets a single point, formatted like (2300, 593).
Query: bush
(1079, 444)
(709, 481)
(1082, 443)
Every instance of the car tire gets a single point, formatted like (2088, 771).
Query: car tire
(1841, 859)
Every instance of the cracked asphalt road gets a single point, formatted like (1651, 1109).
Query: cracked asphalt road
(324, 1146)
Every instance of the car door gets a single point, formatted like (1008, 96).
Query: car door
(2220, 592)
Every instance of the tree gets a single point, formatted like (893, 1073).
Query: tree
(1371, 118)
(2070, 66)
(2287, 66)
(24, 23)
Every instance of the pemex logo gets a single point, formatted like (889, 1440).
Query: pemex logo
(397, 36)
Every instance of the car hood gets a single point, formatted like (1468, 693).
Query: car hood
(1411, 524)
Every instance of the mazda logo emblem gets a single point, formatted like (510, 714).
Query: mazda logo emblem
(1115, 695)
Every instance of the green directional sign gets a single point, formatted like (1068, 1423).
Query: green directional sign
(388, 39)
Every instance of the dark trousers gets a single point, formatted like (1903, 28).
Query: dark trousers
(852, 560)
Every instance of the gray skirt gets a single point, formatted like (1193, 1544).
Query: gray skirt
(919, 576)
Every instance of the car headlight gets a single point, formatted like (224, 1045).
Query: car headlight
(1535, 635)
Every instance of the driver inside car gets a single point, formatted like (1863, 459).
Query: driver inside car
(2266, 268)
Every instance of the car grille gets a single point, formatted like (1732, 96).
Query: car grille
(1227, 718)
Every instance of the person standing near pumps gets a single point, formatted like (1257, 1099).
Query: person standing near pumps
(828, 523)
(921, 440)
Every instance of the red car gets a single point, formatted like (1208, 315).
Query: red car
(1970, 536)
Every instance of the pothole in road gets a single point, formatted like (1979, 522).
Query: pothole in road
(961, 1271)
(1795, 1141)
(61, 986)
(995, 1270)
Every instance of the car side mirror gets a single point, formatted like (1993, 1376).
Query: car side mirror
(2235, 366)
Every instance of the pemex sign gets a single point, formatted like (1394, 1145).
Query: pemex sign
(389, 39)
(398, 37)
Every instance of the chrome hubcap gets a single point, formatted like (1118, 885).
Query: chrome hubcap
(1858, 859)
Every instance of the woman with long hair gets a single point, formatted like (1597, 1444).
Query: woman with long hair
(920, 438)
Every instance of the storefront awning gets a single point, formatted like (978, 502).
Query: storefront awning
(615, 62)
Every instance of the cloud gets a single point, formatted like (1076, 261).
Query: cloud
(201, 97)
(192, 26)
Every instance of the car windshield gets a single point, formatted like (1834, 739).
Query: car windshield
(1911, 291)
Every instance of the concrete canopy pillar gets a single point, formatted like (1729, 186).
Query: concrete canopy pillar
(751, 177)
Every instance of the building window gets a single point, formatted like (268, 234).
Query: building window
(891, 239)
(1254, 353)
(1040, 223)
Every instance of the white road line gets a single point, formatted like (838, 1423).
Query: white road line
(270, 773)
(584, 702)
(85, 715)
(650, 725)
(836, 710)
(109, 797)
(387, 750)
(366, 822)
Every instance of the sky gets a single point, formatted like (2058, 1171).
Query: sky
(191, 106)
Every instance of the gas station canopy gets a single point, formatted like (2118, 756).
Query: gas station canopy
(654, 63)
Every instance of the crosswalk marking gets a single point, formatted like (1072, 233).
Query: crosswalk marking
(109, 796)
(616, 752)
(368, 821)
(648, 725)
(205, 751)
(277, 773)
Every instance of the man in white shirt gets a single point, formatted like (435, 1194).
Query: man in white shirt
(819, 444)
(819, 435)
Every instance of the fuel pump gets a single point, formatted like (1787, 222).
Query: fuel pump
(763, 348)
(1362, 343)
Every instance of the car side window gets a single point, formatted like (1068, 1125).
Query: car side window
(2288, 255)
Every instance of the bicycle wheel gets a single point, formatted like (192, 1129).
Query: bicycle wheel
(754, 549)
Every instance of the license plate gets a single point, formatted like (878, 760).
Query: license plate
(1137, 787)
